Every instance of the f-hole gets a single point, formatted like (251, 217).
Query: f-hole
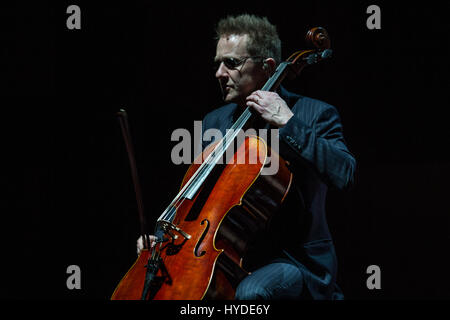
(197, 246)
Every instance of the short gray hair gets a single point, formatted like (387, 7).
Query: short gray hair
(263, 36)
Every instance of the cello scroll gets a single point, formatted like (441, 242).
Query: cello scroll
(317, 37)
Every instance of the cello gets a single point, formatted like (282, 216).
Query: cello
(204, 235)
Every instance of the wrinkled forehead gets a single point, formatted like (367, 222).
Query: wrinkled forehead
(232, 45)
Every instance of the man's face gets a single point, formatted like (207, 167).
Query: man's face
(237, 82)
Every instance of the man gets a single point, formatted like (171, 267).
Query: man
(296, 259)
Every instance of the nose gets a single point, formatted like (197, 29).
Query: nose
(221, 72)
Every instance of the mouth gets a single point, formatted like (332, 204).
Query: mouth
(228, 88)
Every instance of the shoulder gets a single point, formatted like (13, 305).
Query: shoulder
(307, 108)
(315, 106)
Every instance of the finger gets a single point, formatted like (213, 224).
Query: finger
(149, 240)
(263, 95)
(140, 245)
(255, 99)
(260, 94)
(252, 97)
(138, 248)
(255, 107)
(152, 241)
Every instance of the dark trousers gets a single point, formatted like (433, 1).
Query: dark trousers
(280, 279)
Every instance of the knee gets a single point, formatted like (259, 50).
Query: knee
(248, 290)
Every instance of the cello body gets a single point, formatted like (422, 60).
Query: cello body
(231, 208)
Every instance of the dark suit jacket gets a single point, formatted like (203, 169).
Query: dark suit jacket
(312, 141)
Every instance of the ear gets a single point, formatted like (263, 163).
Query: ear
(269, 65)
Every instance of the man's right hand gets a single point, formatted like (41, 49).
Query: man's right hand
(140, 243)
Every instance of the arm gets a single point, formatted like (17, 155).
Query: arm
(321, 145)
(313, 137)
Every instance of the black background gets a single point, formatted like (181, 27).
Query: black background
(68, 197)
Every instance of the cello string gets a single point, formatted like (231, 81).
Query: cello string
(201, 173)
(230, 136)
(204, 170)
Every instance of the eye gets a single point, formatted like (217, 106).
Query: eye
(231, 63)
(217, 63)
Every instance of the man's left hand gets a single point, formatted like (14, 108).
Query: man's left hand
(270, 107)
